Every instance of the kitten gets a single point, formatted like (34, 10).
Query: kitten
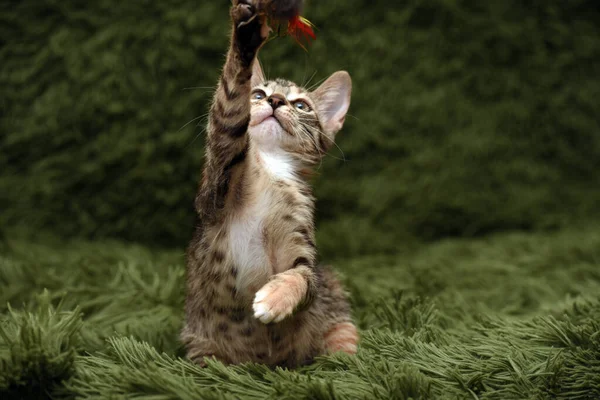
(254, 291)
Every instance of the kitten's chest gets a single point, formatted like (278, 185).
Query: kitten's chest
(247, 247)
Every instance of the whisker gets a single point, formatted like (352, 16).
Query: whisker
(352, 116)
(311, 78)
(203, 120)
(207, 88)
(192, 120)
(318, 83)
(304, 73)
(334, 143)
(307, 133)
(347, 114)
(196, 137)
(306, 126)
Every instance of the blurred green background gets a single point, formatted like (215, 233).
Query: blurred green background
(467, 117)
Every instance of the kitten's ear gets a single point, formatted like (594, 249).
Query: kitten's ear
(332, 99)
(258, 76)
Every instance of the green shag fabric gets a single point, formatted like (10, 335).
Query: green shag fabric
(459, 207)
(512, 316)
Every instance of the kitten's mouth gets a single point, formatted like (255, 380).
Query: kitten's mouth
(266, 118)
(273, 118)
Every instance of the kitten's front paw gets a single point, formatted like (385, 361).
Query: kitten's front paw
(279, 298)
(242, 12)
(251, 29)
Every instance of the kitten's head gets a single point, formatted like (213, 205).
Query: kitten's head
(285, 116)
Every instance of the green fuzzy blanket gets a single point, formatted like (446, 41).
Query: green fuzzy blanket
(513, 316)
(469, 118)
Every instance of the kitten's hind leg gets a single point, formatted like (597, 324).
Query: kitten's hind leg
(342, 336)
(199, 347)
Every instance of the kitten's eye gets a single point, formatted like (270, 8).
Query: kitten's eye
(258, 95)
(301, 105)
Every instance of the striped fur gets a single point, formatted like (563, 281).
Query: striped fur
(254, 290)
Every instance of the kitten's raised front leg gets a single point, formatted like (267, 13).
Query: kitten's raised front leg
(229, 115)
(284, 293)
(296, 256)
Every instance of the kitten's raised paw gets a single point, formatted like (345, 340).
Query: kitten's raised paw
(251, 29)
(242, 12)
(279, 298)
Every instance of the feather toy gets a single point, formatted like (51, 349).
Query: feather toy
(284, 15)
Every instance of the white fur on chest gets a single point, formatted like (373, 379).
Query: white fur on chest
(246, 243)
(246, 231)
(277, 164)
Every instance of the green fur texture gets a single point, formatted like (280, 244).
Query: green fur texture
(512, 316)
(461, 207)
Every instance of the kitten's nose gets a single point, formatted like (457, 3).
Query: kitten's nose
(275, 100)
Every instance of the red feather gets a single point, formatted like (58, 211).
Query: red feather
(285, 16)
(301, 30)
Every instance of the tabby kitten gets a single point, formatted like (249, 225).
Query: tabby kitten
(254, 290)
